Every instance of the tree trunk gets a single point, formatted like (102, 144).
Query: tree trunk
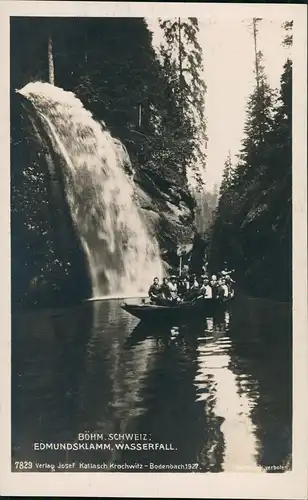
(180, 62)
(254, 22)
(257, 66)
(51, 70)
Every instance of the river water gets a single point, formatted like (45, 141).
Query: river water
(217, 394)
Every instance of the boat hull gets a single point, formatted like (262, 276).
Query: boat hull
(151, 312)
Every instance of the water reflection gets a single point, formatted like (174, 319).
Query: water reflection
(48, 365)
(213, 388)
(262, 359)
(217, 387)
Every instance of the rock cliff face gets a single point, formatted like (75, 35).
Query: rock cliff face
(47, 260)
(168, 211)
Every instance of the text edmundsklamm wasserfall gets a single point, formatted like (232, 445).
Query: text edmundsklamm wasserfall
(43, 446)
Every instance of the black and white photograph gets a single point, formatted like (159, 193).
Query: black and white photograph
(152, 226)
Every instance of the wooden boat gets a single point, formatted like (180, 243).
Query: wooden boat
(147, 311)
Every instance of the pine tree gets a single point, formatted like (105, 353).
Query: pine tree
(184, 121)
(227, 175)
(259, 121)
(254, 215)
(288, 39)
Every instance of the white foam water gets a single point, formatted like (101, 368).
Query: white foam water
(123, 256)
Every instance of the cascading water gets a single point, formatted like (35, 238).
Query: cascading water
(123, 257)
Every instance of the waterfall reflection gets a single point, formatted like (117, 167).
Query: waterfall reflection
(227, 408)
(119, 375)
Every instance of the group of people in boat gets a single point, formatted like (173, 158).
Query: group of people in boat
(177, 289)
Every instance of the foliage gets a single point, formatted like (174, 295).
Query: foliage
(252, 229)
(288, 39)
(183, 122)
(227, 175)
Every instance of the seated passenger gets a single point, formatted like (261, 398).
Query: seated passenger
(183, 288)
(206, 290)
(223, 289)
(187, 284)
(213, 281)
(163, 297)
(173, 289)
(154, 290)
(214, 285)
(193, 288)
(165, 291)
(194, 283)
(229, 283)
(228, 279)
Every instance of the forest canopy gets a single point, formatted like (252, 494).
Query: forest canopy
(253, 222)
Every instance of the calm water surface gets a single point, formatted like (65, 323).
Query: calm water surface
(217, 392)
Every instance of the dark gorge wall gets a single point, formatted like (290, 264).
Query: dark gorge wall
(168, 211)
(258, 244)
(48, 263)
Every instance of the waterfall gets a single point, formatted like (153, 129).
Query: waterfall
(123, 256)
